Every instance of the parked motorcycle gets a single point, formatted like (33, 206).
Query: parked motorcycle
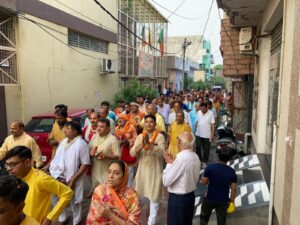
(227, 138)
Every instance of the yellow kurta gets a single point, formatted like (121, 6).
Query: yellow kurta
(174, 131)
(57, 134)
(160, 123)
(41, 189)
(24, 140)
(108, 145)
(148, 180)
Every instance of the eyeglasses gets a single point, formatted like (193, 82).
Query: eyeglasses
(12, 164)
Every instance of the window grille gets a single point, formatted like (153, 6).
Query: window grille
(76, 39)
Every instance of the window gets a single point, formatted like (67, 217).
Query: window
(87, 42)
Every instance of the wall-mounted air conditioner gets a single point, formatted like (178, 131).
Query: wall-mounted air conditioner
(245, 40)
(108, 66)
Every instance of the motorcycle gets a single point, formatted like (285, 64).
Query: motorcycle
(227, 138)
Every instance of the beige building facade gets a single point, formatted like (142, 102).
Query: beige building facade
(61, 48)
(275, 121)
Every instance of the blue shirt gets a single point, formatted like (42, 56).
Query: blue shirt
(220, 177)
(193, 120)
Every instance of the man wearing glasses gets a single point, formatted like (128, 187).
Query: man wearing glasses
(18, 162)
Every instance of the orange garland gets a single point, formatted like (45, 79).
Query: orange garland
(124, 130)
(156, 132)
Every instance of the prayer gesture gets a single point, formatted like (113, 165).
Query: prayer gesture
(146, 139)
(103, 211)
(168, 158)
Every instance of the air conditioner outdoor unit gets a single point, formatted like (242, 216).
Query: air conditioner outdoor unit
(245, 39)
(109, 66)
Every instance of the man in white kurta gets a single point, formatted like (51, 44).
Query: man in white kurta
(69, 164)
(149, 148)
(104, 148)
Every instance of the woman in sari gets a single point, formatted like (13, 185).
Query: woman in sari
(113, 203)
(126, 134)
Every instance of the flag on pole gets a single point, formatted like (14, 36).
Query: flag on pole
(161, 42)
(143, 36)
(149, 39)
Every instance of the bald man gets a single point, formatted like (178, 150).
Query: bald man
(180, 177)
(160, 124)
(19, 137)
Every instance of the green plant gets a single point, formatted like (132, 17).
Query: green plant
(132, 90)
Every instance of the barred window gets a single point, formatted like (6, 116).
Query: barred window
(87, 42)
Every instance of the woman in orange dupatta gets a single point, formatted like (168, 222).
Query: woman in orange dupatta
(113, 203)
(126, 134)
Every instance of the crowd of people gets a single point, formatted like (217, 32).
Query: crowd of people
(138, 150)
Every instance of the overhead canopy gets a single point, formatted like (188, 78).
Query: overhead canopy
(142, 11)
(243, 13)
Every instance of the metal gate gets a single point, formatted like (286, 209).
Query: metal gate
(240, 115)
(273, 84)
(8, 51)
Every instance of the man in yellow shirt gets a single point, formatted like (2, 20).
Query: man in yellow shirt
(160, 124)
(19, 137)
(12, 196)
(41, 187)
(176, 128)
(57, 133)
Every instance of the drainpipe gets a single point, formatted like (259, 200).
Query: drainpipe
(246, 137)
(272, 182)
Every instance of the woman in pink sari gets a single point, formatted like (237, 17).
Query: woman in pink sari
(113, 203)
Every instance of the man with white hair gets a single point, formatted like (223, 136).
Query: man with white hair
(180, 177)
(160, 124)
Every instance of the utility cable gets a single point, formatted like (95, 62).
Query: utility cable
(130, 31)
(79, 13)
(61, 41)
(174, 12)
(208, 17)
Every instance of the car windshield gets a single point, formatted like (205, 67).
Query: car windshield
(40, 125)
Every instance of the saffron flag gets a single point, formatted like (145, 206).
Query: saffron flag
(161, 42)
(143, 36)
(149, 39)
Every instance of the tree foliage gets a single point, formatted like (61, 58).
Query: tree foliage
(132, 90)
(218, 67)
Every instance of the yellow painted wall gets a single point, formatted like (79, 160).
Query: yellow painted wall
(51, 73)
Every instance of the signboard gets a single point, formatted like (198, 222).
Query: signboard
(145, 64)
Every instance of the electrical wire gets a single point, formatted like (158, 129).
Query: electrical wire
(231, 42)
(79, 13)
(178, 7)
(61, 41)
(130, 31)
(174, 13)
(208, 17)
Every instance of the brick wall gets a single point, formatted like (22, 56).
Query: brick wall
(235, 64)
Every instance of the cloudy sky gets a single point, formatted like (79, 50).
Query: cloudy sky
(195, 14)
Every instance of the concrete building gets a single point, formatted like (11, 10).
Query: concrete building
(270, 62)
(74, 53)
(199, 53)
(55, 52)
(142, 58)
(175, 68)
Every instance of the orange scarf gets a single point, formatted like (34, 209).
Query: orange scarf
(156, 132)
(120, 205)
(121, 131)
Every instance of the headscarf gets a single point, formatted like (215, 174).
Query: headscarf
(123, 116)
(124, 181)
